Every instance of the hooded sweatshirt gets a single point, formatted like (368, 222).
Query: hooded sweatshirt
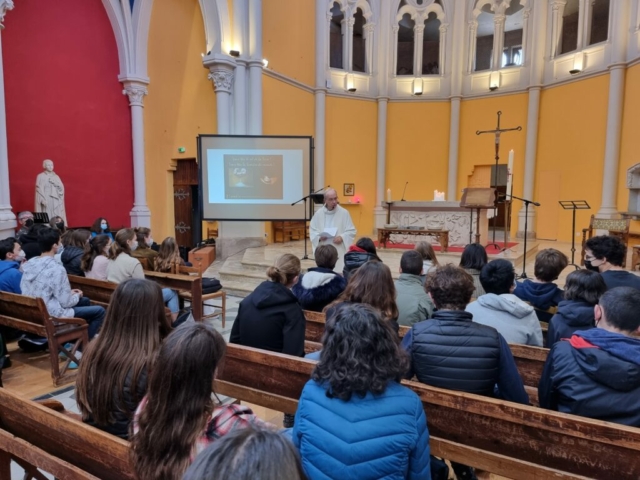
(355, 258)
(542, 296)
(318, 288)
(515, 320)
(270, 318)
(45, 278)
(71, 259)
(10, 276)
(572, 316)
(595, 374)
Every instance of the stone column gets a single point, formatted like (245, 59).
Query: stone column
(8, 222)
(417, 49)
(140, 214)
(498, 40)
(255, 67)
(221, 72)
(557, 11)
(442, 55)
(323, 18)
(239, 88)
(454, 140)
(380, 215)
(473, 39)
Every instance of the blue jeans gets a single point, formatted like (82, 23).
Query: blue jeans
(171, 299)
(93, 315)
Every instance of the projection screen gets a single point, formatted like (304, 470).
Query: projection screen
(254, 177)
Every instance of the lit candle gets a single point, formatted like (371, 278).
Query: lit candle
(438, 196)
(388, 195)
(510, 174)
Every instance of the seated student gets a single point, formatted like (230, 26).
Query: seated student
(74, 250)
(178, 417)
(248, 454)
(112, 379)
(541, 292)
(581, 293)
(25, 220)
(143, 235)
(359, 254)
(58, 222)
(454, 352)
(321, 285)
(168, 256)
(11, 258)
(429, 259)
(499, 308)
(101, 227)
(473, 258)
(414, 305)
(29, 240)
(96, 258)
(605, 254)
(45, 278)
(373, 284)
(270, 317)
(596, 373)
(354, 419)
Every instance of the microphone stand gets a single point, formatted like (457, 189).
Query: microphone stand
(526, 223)
(404, 191)
(307, 211)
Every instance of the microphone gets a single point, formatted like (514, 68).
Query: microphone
(322, 188)
(535, 203)
(404, 191)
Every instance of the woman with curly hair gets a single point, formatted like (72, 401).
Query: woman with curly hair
(354, 399)
(373, 284)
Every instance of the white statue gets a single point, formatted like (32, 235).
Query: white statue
(50, 192)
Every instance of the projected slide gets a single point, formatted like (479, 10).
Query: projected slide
(254, 178)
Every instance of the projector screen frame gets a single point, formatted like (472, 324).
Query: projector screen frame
(201, 191)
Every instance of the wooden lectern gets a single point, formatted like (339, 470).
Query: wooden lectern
(477, 199)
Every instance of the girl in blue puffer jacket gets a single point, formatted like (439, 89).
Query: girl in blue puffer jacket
(354, 419)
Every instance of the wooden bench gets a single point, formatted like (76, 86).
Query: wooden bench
(441, 235)
(529, 360)
(181, 283)
(289, 231)
(30, 314)
(98, 291)
(37, 437)
(220, 295)
(504, 438)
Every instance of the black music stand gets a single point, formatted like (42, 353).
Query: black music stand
(40, 217)
(574, 205)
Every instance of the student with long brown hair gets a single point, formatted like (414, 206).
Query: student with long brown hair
(144, 250)
(122, 266)
(168, 256)
(71, 257)
(429, 259)
(96, 258)
(373, 284)
(178, 417)
(112, 379)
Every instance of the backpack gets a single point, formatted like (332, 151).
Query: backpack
(211, 285)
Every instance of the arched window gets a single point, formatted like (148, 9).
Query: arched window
(484, 39)
(577, 24)
(350, 35)
(420, 34)
(513, 31)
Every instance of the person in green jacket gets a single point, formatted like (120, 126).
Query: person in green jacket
(413, 301)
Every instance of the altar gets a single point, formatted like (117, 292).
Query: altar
(436, 216)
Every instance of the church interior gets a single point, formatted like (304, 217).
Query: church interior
(412, 109)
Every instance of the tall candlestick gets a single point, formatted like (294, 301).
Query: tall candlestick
(510, 173)
(388, 195)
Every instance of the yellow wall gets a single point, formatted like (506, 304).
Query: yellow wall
(288, 35)
(351, 156)
(417, 149)
(630, 143)
(570, 159)
(481, 114)
(180, 104)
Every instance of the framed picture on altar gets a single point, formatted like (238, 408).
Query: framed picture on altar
(349, 189)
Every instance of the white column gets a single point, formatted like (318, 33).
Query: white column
(240, 98)
(255, 67)
(557, 12)
(323, 18)
(394, 66)
(382, 150)
(458, 28)
(442, 54)
(221, 73)
(417, 48)
(7, 218)
(140, 214)
(454, 140)
(473, 40)
(498, 40)
(369, 28)
(350, 21)
(619, 37)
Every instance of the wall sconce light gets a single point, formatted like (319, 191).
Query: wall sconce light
(265, 62)
(494, 81)
(350, 84)
(417, 86)
(234, 53)
(578, 63)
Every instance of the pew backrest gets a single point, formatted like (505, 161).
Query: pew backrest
(99, 291)
(89, 449)
(190, 283)
(512, 437)
(23, 313)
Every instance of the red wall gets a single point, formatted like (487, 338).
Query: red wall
(64, 102)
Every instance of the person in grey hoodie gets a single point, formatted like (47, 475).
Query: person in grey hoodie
(414, 304)
(500, 309)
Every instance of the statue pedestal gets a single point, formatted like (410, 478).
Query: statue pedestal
(437, 215)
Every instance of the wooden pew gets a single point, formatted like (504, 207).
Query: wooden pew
(98, 291)
(529, 360)
(37, 437)
(189, 283)
(29, 314)
(504, 438)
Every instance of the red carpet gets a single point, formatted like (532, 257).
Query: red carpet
(408, 246)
